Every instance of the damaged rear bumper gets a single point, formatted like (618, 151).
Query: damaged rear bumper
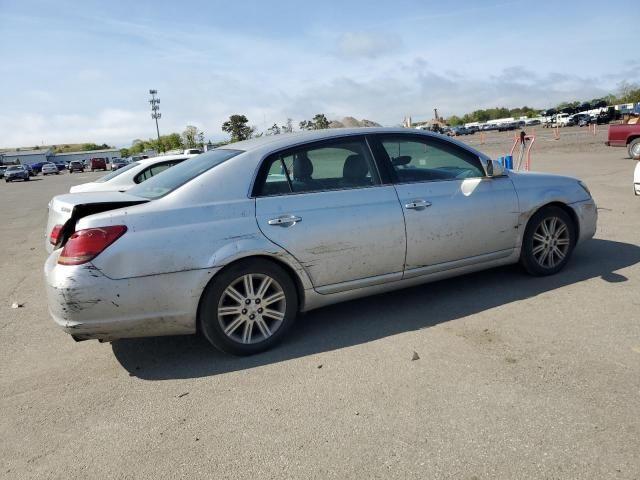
(89, 305)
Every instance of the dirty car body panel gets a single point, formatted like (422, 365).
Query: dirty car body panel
(366, 223)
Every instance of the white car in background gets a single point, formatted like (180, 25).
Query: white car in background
(50, 169)
(636, 179)
(129, 176)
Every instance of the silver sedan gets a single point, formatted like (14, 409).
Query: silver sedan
(234, 243)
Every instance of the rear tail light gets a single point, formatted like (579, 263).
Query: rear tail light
(85, 245)
(54, 236)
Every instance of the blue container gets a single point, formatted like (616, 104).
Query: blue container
(508, 160)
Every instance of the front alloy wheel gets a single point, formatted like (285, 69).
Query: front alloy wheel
(551, 242)
(548, 241)
(248, 307)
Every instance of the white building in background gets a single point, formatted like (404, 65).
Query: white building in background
(26, 157)
(107, 154)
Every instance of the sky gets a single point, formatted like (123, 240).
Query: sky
(73, 72)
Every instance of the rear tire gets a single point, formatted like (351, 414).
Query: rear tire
(548, 242)
(634, 149)
(248, 307)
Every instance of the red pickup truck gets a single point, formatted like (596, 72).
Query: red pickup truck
(625, 135)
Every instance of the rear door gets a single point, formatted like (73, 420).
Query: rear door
(452, 210)
(324, 203)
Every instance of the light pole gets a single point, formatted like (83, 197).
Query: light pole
(155, 113)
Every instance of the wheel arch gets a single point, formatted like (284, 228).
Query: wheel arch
(295, 277)
(563, 206)
(631, 138)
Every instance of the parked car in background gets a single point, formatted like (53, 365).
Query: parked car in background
(130, 175)
(49, 169)
(37, 167)
(532, 122)
(236, 242)
(97, 164)
(607, 116)
(76, 166)
(61, 165)
(577, 118)
(586, 121)
(16, 172)
(504, 127)
(117, 163)
(625, 135)
(457, 131)
(2, 170)
(561, 120)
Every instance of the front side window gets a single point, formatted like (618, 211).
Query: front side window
(332, 165)
(419, 160)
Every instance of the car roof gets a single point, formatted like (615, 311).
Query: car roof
(271, 143)
(283, 140)
(164, 158)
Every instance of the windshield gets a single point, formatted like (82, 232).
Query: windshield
(174, 177)
(115, 173)
(14, 168)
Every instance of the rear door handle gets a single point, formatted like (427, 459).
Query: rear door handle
(285, 220)
(417, 204)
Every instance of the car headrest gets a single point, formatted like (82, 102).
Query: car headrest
(302, 166)
(355, 166)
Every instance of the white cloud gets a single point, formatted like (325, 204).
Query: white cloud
(368, 44)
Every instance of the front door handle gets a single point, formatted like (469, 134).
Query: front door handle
(417, 204)
(285, 220)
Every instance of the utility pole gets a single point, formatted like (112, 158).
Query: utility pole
(155, 113)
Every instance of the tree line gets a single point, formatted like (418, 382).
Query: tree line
(237, 126)
(627, 93)
(191, 137)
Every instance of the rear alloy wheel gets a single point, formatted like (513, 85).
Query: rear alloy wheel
(248, 307)
(548, 242)
(634, 149)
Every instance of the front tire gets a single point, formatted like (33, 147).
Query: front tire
(248, 307)
(548, 242)
(634, 149)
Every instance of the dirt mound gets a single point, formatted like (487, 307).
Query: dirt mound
(350, 122)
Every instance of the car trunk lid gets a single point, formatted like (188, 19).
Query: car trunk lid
(66, 210)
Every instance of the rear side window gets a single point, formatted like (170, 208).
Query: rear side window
(147, 173)
(177, 176)
(332, 165)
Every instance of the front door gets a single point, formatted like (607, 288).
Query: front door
(452, 210)
(324, 204)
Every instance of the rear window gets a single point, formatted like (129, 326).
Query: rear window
(115, 173)
(177, 176)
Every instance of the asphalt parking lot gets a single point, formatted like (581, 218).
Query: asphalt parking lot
(517, 377)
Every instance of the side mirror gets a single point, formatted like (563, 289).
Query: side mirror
(401, 161)
(494, 168)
